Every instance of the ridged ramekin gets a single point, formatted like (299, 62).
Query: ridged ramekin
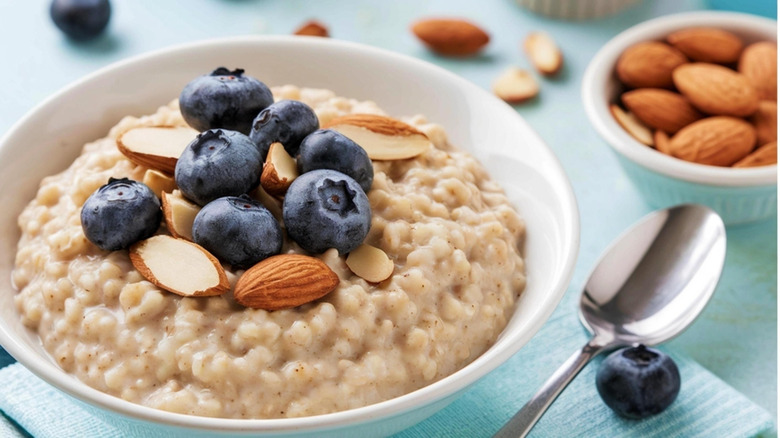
(576, 10)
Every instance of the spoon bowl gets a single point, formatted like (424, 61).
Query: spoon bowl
(656, 278)
(649, 285)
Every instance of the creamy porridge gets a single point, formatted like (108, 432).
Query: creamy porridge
(448, 227)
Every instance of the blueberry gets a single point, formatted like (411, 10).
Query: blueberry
(638, 382)
(327, 149)
(218, 163)
(224, 99)
(326, 209)
(237, 230)
(80, 19)
(286, 121)
(120, 213)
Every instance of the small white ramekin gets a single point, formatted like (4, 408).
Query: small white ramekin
(738, 195)
(576, 10)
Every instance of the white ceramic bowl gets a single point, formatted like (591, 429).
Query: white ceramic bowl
(474, 119)
(738, 195)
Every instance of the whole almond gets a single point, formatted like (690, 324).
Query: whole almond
(451, 36)
(707, 44)
(284, 281)
(766, 155)
(649, 65)
(717, 141)
(765, 121)
(759, 64)
(716, 90)
(661, 109)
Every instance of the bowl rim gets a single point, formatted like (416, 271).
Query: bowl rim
(600, 71)
(429, 394)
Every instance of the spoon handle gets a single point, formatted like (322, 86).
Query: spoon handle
(525, 419)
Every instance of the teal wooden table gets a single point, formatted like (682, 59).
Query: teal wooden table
(735, 337)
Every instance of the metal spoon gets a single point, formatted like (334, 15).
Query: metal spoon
(647, 288)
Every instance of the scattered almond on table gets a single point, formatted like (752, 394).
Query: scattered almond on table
(451, 36)
(703, 96)
(312, 28)
(515, 85)
(543, 53)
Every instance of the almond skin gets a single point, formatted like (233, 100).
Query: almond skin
(661, 109)
(649, 65)
(765, 121)
(766, 155)
(451, 36)
(716, 90)
(717, 141)
(707, 44)
(284, 281)
(759, 64)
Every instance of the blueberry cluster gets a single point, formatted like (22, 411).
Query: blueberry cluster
(326, 207)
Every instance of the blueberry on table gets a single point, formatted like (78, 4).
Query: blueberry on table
(326, 209)
(286, 121)
(218, 163)
(224, 99)
(80, 19)
(120, 213)
(328, 149)
(237, 230)
(638, 382)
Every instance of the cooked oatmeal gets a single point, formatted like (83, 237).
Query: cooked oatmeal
(455, 240)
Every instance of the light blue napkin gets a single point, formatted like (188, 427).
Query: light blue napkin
(706, 406)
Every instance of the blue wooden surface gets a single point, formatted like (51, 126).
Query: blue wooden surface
(736, 336)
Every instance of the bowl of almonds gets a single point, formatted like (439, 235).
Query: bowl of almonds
(688, 103)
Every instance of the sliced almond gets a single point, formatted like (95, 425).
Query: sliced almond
(312, 28)
(370, 263)
(632, 125)
(382, 137)
(179, 214)
(515, 85)
(159, 182)
(279, 171)
(156, 147)
(271, 203)
(284, 281)
(179, 266)
(543, 53)
(661, 140)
